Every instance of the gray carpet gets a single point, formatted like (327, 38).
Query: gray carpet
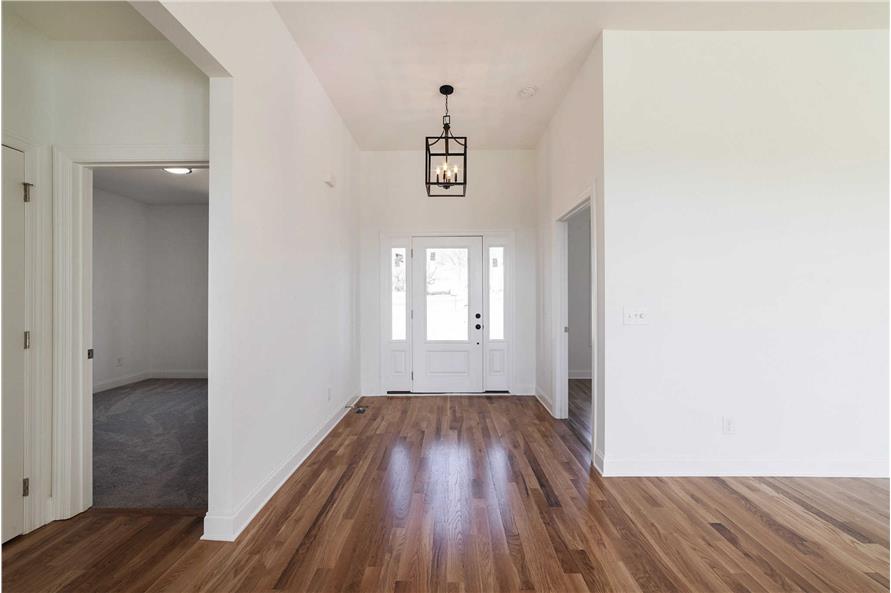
(150, 445)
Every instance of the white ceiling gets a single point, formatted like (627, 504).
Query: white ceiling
(153, 186)
(85, 21)
(383, 62)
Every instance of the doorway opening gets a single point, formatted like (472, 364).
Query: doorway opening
(577, 318)
(149, 337)
(579, 323)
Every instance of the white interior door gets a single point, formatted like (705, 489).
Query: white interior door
(447, 317)
(14, 327)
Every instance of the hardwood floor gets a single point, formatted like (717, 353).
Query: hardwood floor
(481, 494)
(580, 409)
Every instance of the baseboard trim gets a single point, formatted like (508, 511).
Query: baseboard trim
(179, 374)
(144, 375)
(542, 398)
(120, 381)
(598, 461)
(797, 468)
(580, 374)
(227, 528)
(522, 390)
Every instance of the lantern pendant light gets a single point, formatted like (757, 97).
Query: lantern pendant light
(446, 158)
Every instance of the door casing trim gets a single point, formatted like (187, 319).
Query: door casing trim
(71, 477)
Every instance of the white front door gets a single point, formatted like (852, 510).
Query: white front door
(447, 318)
(14, 327)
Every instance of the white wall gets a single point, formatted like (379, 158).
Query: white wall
(569, 164)
(177, 289)
(123, 93)
(746, 207)
(120, 290)
(579, 294)
(149, 290)
(500, 196)
(119, 93)
(282, 328)
(28, 96)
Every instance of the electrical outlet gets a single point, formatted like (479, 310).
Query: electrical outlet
(119, 362)
(728, 425)
(636, 316)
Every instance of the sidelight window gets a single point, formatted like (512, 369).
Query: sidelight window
(496, 293)
(398, 292)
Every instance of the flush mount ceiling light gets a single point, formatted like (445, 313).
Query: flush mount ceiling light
(527, 92)
(178, 170)
(447, 176)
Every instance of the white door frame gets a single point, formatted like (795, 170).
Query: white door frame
(72, 403)
(560, 315)
(491, 238)
(38, 358)
(26, 324)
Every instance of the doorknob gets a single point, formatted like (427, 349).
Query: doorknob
(478, 315)
(478, 326)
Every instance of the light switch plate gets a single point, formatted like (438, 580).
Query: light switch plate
(728, 425)
(636, 316)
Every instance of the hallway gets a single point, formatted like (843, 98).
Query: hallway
(480, 494)
(579, 419)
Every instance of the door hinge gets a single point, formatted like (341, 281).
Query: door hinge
(412, 375)
(89, 354)
(27, 191)
(412, 250)
(27, 340)
(26, 487)
(412, 316)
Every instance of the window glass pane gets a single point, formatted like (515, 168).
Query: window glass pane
(496, 293)
(397, 292)
(448, 293)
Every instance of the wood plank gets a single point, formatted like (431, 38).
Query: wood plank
(477, 494)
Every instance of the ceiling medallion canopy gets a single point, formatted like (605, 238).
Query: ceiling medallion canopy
(446, 158)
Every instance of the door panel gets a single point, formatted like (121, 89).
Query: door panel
(447, 332)
(14, 326)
